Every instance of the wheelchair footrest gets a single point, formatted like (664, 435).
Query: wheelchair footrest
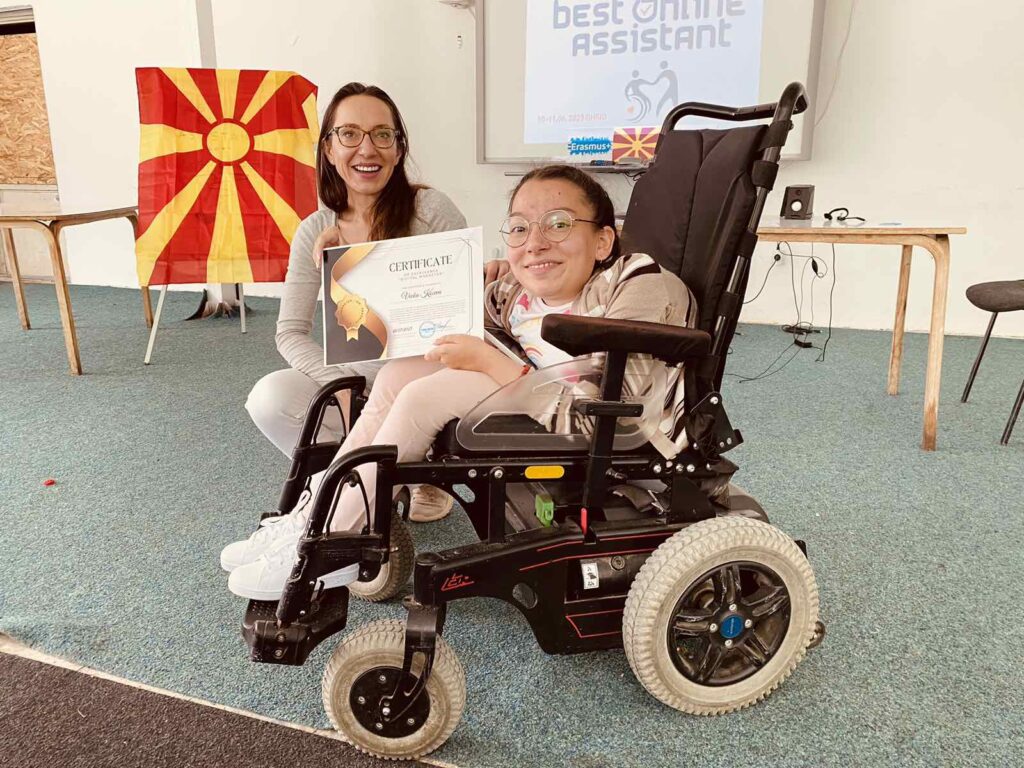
(271, 643)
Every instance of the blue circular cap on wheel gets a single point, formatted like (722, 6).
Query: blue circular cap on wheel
(732, 626)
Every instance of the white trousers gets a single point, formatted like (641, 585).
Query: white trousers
(410, 402)
(278, 405)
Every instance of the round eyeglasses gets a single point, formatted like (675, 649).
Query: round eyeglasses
(554, 227)
(350, 136)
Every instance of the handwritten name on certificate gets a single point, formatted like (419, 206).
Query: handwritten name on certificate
(393, 298)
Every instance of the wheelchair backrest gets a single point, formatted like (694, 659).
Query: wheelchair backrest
(696, 208)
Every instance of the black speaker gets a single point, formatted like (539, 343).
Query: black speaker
(798, 202)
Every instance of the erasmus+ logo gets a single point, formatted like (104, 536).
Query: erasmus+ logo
(590, 145)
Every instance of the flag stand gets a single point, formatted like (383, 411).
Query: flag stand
(223, 310)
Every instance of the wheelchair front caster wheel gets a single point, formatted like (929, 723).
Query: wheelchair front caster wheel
(719, 615)
(395, 573)
(365, 668)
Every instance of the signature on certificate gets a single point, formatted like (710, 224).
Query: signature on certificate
(426, 293)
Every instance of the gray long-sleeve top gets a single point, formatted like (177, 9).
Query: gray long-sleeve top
(434, 213)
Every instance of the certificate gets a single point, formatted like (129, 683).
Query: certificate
(394, 298)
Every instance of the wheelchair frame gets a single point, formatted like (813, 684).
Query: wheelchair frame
(537, 570)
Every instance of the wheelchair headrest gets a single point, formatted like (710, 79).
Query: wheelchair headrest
(690, 210)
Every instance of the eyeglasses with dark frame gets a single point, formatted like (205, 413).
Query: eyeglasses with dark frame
(555, 226)
(351, 136)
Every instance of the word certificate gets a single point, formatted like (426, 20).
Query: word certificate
(394, 298)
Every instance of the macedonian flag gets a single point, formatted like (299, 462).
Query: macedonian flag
(634, 143)
(226, 173)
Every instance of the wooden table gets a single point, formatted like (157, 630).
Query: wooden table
(934, 240)
(49, 224)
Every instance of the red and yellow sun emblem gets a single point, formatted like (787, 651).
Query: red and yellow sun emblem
(634, 142)
(227, 170)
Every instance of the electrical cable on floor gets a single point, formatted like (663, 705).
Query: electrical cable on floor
(821, 356)
(765, 373)
(819, 271)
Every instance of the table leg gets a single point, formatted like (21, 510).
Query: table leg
(60, 282)
(936, 337)
(147, 305)
(896, 355)
(12, 267)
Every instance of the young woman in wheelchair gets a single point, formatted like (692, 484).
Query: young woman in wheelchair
(597, 487)
(565, 258)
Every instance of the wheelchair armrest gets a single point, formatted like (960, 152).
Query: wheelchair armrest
(580, 335)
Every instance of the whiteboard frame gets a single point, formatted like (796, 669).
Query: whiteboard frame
(811, 86)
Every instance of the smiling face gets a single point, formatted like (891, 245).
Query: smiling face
(365, 169)
(557, 272)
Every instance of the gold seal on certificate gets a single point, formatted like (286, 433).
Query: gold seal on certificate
(394, 298)
(351, 314)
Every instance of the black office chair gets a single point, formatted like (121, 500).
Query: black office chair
(996, 297)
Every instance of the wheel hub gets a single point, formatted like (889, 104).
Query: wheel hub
(731, 626)
(372, 702)
(729, 623)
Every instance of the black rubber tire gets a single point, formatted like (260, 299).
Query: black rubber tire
(395, 573)
(671, 571)
(382, 644)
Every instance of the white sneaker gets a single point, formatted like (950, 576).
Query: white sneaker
(304, 498)
(264, 579)
(291, 524)
(429, 504)
(286, 527)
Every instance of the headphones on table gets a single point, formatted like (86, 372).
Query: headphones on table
(844, 216)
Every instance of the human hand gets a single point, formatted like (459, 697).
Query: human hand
(495, 270)
(329, 238)
(462, 352)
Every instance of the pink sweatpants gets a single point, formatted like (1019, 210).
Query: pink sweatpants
(410, 402)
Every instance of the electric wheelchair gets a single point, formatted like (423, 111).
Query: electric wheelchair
(602, 537)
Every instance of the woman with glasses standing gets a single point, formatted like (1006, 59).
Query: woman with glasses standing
(564, 255)
(366, 194)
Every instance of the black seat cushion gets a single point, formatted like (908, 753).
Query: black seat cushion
(998, 296)
(447, 442)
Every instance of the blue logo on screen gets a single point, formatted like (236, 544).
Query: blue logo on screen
(590, 145)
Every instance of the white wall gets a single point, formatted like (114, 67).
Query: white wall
(409, 48)
(923, 125)
(89, 52)
(920, 125)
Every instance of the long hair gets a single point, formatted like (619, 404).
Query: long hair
(396, 205)
(594, 193)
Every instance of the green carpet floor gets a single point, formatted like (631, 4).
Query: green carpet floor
(918, 555)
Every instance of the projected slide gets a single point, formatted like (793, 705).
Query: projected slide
(594, 66)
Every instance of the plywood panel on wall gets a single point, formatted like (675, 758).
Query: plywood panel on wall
(26, 156)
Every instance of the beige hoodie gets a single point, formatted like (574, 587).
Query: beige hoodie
(634, 287)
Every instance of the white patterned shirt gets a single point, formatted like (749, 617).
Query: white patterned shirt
(525, 319)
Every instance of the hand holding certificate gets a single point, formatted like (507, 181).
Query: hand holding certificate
(394, 298)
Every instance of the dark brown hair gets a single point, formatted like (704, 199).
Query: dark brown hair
(396, 205)
(595, 194)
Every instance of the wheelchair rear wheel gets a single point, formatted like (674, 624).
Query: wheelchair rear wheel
(394, 574)
(365, 668)
(720, 615)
